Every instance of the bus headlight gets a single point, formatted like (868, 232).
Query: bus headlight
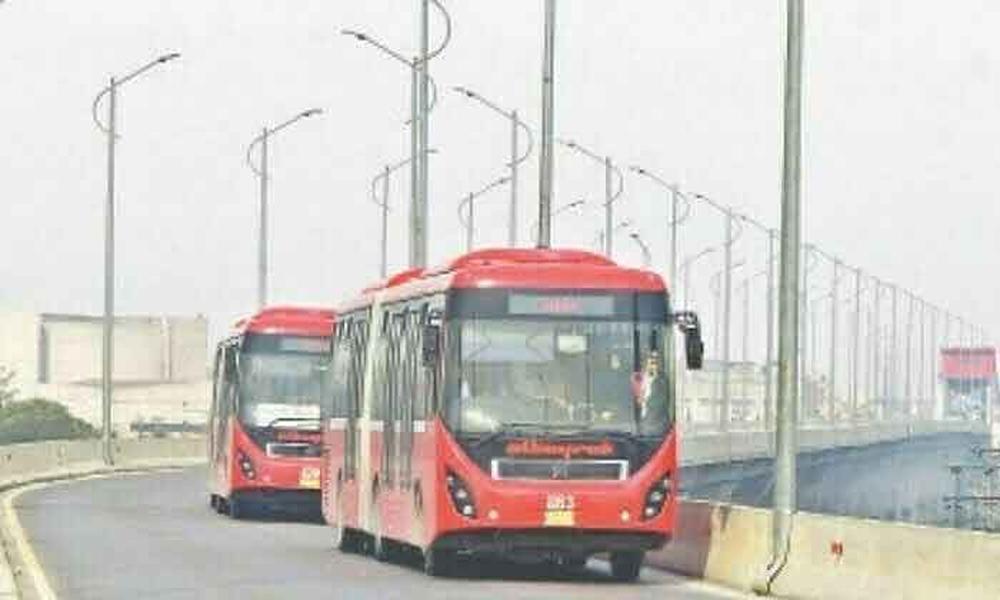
(656, 498)
(461, 497)
(246, 465)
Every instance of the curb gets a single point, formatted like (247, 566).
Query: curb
(13, 543)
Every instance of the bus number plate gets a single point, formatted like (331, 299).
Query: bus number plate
(560, 510)
(309, 478)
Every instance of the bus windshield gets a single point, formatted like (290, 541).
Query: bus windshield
(281, 381)
(558, 375)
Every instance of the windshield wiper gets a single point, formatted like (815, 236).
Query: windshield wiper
(293, 420)
(507, 428)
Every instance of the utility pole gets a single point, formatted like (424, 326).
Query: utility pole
(608, 210)
(384, 246)
(548, 128)
(423, 131)
(727, 307)
(262, 232)
(856, 344)
(834, 323)
(110, 130)
(769, 367)
(107, 337)
(786, 447)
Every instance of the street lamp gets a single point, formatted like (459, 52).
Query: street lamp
(383, 204)
(515, 160)
(685, 271)
(599, 239)
(469, 219)
(423, 99)
(647, 256)
(610, 195)
(675, 220)
(264, 176)
(110, 130)
(555, 213)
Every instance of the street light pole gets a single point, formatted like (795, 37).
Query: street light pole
(468, 220)
(610, 194)
(110, 129)
(856, 345)
(647, 256)
(546, 163)
(264, 174)
(786, 443)
(515, 159)
(383, 203)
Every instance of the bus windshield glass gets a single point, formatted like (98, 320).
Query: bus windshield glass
(281, 381)
(561, 375)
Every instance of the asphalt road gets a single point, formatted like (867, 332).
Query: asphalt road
(154, 536)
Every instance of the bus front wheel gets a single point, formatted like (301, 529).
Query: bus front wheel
(625, 566)
(438, 563)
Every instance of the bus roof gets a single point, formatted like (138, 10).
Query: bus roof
(517, 268)
(289, 320)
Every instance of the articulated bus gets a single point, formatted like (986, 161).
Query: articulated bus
(266, 414)
(515, 402)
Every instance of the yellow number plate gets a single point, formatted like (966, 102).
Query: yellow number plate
(559, 518)
(309, 478)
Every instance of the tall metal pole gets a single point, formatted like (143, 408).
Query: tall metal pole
(424, 133)
(894, 354)
(785, 459)
(911, 403)
(107, 338)
(262, 227)
(834, 325)
(415, 239)
(727, 306)
(383, 262)
(856, 345)
(674, 194)
(769, 362)
(548, 129)
(608, 210)
(470, 226)
(877, 343)
(512, 218)
(804, 387)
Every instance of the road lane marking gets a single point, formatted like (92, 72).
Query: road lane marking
(29, 561)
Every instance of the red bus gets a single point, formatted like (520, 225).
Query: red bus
(266, 415)
(515, 402)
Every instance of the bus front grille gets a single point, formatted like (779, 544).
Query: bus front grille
(568, 470)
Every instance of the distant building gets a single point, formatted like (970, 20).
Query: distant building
(160, 365)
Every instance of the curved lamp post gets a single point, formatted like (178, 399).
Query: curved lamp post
(423, 98)
(383, 204)
(610, 193)
(110, 130)
(516, 124)
(675, 219)
(647, 256)
(555, 213)
(264, 175)
(468, 220)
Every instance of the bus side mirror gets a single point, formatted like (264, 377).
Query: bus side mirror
(694, 347)
(431, 345)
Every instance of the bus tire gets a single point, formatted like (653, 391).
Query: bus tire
(625, 566)
(438, 563)
(237, 508)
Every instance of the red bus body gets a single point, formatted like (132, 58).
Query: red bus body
(273, 465)
(395, 475)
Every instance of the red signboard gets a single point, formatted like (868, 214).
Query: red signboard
(969, 363)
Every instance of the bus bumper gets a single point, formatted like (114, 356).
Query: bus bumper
(532, 543)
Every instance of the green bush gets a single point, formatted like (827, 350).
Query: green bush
(38, 419)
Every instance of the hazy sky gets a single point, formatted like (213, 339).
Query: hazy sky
(900, 155)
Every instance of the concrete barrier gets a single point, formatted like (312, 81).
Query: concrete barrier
(22, 464)
(834, 557)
